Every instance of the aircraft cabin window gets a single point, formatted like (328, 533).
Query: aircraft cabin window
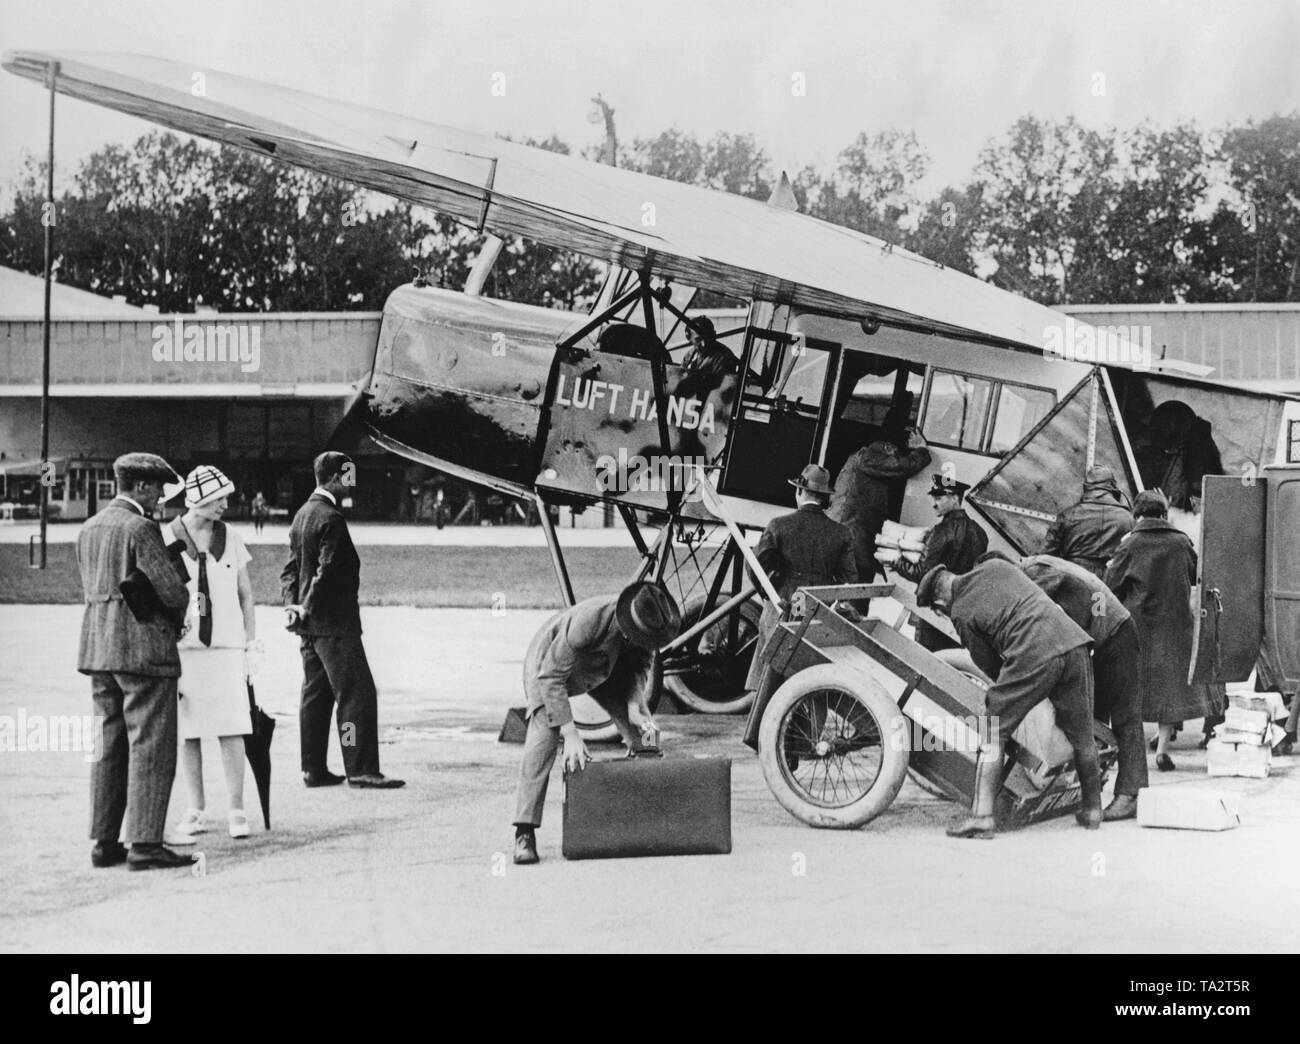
(1018, 410)
(980, 415)
(956, 410)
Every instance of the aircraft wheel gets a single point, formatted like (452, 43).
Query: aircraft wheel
(714, 679)
(594, 723)
(833, 747)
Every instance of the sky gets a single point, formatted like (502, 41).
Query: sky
(955, 73)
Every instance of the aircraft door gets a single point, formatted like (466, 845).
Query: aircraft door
(778, 429)
(1043, 474)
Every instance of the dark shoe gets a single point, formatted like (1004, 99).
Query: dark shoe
(1164, 763)
(983, 827)
(321, 779)
(376, 781)
(1286, 746)
(526, 849)
(1089, 818)
(107, 853)
(1124, 806)
(157, 857)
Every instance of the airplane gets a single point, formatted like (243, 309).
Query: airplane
(838, 330)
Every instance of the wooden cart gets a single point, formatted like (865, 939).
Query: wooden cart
(861, 704)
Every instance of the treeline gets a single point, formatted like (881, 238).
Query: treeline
(1056, 211)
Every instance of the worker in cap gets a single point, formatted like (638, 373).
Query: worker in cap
(604, 647)
(1033, 651)
(1089, 532)
(802, 549)
(954, 541)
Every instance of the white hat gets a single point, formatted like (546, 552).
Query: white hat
(205, 484)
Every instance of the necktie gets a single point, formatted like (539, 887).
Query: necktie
(205, 602)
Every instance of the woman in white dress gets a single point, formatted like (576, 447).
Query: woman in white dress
(219, 638)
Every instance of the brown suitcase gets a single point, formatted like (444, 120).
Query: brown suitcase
(647, 805)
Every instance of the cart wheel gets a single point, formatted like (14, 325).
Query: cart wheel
(593, 721)
(833, 747)
(714, 679)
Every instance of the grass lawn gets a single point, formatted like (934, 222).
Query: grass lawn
(425, 577)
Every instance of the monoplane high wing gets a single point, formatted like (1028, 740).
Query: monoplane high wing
(688, 234)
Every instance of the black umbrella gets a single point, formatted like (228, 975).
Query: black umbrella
(257, 747)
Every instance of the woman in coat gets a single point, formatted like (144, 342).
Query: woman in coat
(1152, 574)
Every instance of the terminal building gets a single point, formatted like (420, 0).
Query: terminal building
(259, 395)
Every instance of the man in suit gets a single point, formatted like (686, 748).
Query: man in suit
(319, 585)
(1089, 532)
(602, 646)
(1019, 637)
(955, 541)
(801, 549)
(133, 666)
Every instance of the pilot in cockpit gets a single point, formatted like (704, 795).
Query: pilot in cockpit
(707, 357)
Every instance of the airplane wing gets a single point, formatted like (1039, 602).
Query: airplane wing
(688, 234)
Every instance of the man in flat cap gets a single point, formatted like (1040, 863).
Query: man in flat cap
(1020, 638)
(605, 647)
(955, 541)
(1116, 665)
(128, 647)
(319, 584)
(801, 549)
(1088, 533)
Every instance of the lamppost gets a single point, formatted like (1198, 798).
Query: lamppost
(47, 219)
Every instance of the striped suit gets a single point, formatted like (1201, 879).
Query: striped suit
(133, 667)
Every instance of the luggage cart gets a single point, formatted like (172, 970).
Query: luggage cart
(861, 704)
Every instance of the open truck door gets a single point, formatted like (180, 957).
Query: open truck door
(1230, 621)
(1043, 474)
(1250, 579)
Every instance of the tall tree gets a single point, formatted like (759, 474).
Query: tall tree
(1152, 239)
(178, 224)
(1045, 194)
(1257, 240)
(873, 188)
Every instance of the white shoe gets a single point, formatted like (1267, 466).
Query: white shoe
(179, 840)
(193, 822)
(238, 823)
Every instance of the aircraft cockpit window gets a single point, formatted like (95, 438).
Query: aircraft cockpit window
(803, 377)
(980, 415)
(956, 410)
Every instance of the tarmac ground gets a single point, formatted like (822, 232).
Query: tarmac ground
(428, 867)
